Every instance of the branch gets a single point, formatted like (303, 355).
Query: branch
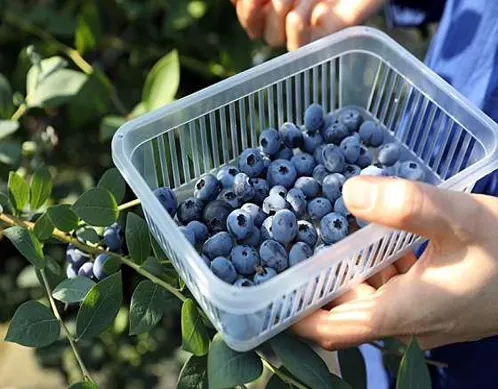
(280, 374)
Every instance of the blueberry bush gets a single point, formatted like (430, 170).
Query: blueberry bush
(82, 280)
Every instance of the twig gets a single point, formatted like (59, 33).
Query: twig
(400, 354)
(129, 204)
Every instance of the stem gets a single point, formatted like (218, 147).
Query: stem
(19, 112)
(284, 377)
(129, 204)
(400, 354)
(84, 370)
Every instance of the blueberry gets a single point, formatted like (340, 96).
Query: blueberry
(351, 171)
(374, 170)
(340, 207)
(189, 234)
(335, 133)
(245, 259)
(190, 209)
(411, 170)
(263, 274)
(251, 162)
(306, 233)
(261, 189)
(199, 229)
(283, 153)
(365, 159)
(218, 245)
(333, 159)
(278, 190)
(319, 173)
(266, 232)
(76, 257)
(332, 187)
(243, 282)
(226, 175)
(297, 201)
(291, 135)
(309, 186)
(167, 198)
(351, 118)
(333, 227)
(86, 270)
(389, 154)
(215, 215)
(229, 196)
(206, 260)
(299, 252)
(318, 208)
(274, 203)
(371, 134)
(304, 164)
(240, 224)
(284, 226)
(207, 188)
(257, 214)
(350, 147)
(273, 255)
(269, 141)
(243, 188)
(313, 117)
(113, 237)
(224, 269)
(281, 172)
(254, 238)
(98, 266)
(318, 154)
(311, 141)
(321, 247)
(71, 271)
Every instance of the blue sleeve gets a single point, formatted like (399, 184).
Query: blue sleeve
(414, 13)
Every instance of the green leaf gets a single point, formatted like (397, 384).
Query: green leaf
(164, 272)
(112, 265)
(5, 203)
(339, 383)
(147, 307)
(114, 183)
(88, 28)
(10, 153)
(413, 372)
(353, 368)
(162, 82)
(88, 234)
(194, 374)
(100, 307)
(41, 187)
(137, 238)
(73, 290)
(38, 73)
(276, 383)
(194, 334)
(227, 368)
(27, 244)
(139, 109)
(62, 217)
(18, 191)
(97, 207)
(43, 227)
(5, 97)
(156, 249)
(109, 125)
(8, 127)
(33, 325)
(301, 361)
(84, 385)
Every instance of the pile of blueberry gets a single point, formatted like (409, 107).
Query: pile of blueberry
(80, 263)
(283, 201)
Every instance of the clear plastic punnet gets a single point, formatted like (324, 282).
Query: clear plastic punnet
(362, 67)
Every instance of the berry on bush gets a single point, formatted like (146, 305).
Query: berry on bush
(113, 237)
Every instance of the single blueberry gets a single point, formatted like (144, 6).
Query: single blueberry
(226, 175)
(306, 233)
(313, 117)
(297, 201)
(189, 234)
(351, 118)
(71, 271)
(274, 203)
(311, 141)
(224, 269)
(240, 224)
(318, 208)
(243, 282)
(263, 274)
(167, 198)
(269, 141)
(229, 196)
(283, 153)
(266, 232)
(254, 238)
(351, 171)
(261, 189)
(340, 207)
(219, 245)
(190, 209)
(284, 226)
(200, 230)
(374, 170)
(309, 186)
(304, 164)
(365, 159)
(251, 162)
(333, 159)
(215, 215)
(291, 135)
(318, 154)
(371, 134)
(278, 190)
(257, 214)
(273, 254)
(411, 170)
(243, 188)
(76, 257)
(335, 133)
(281, 172)
(113, 237)
(299, 252)
(207, 188)
(245, 259)
(86, 270)
(350, 147)
(333, 227)
(389, 154)
(319, 173)
(332, 187)
(98, 266)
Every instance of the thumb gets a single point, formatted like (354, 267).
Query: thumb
(411, 206)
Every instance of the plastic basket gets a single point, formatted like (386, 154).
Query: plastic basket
(360, 66)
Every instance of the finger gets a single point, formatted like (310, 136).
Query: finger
(380, 278)
(297, 24)
(251, 14)
(325, 20)
(405, 263)
(361, 291)
(415, 207)
(275, 22)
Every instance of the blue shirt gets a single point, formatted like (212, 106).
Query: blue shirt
(464, 52)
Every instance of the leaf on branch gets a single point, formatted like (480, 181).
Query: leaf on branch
(194, 374)
(62, 217)
(97, 207)
(41, 187)
(18, 191)
(73, 290)
(137, 238)
(194, 334)
(114, 183)
(8, 127)
(27, 244)
(413, 372)
(353, 368)
(43, 227)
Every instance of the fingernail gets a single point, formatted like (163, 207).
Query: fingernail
(360, 193)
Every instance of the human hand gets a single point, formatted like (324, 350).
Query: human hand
(297, 22)
(447, 296)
